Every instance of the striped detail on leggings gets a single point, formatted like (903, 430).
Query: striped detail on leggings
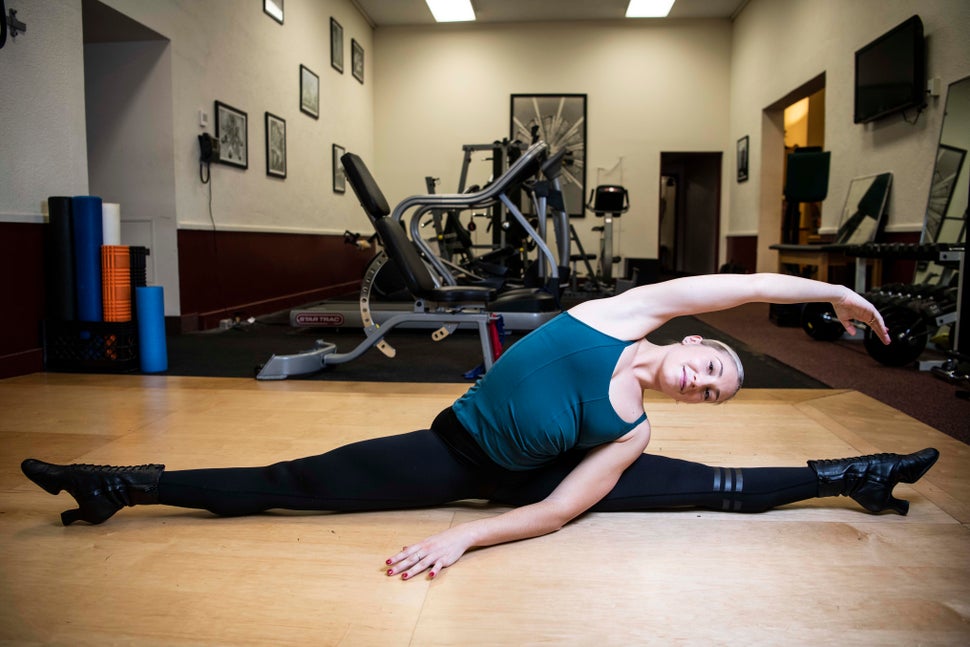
(729, 481)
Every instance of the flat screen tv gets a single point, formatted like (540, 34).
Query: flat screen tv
(890, 73)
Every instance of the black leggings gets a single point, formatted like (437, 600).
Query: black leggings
(443, 464)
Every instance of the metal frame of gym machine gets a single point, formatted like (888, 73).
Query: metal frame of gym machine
(444, 305)
(543, 192)
(546, 194)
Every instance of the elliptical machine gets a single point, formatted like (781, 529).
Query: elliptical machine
(608, 201)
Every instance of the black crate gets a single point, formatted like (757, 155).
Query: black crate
(91, 347)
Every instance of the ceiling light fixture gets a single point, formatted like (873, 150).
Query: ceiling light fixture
(451, 10)
(649, 8)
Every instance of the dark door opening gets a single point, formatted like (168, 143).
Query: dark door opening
(690, 208)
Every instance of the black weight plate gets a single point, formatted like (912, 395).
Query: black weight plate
(820, 322)
(908, 334)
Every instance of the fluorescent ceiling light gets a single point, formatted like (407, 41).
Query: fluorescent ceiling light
(451, 10)
(649, 8)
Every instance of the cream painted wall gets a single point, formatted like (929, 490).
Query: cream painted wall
(43, 149)
(650, 89)
(221, 49)
(779, 46)
(231, 51)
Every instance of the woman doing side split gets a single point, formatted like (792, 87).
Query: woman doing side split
(556, 427)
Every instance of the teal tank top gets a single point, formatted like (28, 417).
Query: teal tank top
(548, 393)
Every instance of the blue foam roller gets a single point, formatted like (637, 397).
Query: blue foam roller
(86, 216)
(150, 308)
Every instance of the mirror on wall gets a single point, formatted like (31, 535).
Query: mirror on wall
(864, 207)
(946, 209)
(944, 224)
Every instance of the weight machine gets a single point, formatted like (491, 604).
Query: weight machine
(438, 303)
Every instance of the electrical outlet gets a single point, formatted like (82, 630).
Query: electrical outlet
(203, 118)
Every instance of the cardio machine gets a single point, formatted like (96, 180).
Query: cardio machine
(548, 195)
(608, 201)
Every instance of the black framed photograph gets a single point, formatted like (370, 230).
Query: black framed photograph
(275, 146)
(232, 131)
(339, 177)
(357, 60)
(309, 92)
(274, 9)
(743, 159)
(336, 46)
(560, 121)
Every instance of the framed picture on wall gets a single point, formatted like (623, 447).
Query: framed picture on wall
(743, 159)
(560, 121)
(339, 178)
(309, 92)
(336, 46)
(275, 146)
(357, 59)
(233, 135)
(274, 9)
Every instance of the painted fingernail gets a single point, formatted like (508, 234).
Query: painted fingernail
(404, 577)
(431, 574)
(390, 571)
(388, 562)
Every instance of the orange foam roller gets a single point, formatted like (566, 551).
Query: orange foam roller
(116, 282)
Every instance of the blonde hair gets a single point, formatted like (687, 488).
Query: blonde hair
(727, 350)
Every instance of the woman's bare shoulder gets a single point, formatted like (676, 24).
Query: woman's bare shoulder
(618, 316)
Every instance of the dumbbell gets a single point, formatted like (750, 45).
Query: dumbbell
(908, 332)
(908, 335)
(820, 323)
(886, 293)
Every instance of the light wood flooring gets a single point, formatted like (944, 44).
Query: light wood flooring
(822, 572)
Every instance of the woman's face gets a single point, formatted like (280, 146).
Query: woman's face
(693, 372)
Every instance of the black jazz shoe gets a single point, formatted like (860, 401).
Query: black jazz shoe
(870, 479)
(100, 490)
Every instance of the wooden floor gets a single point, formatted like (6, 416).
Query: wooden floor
(821, 572)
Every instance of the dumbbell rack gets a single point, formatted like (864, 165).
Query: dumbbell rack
(950, 369)
(945, 254)
(961, 336)
(961, 340)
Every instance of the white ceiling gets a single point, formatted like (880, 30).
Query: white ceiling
(387, 13)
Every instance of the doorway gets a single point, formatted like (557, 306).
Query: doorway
(129, 123)
(690, 208)
(804, 122)
(773, 155)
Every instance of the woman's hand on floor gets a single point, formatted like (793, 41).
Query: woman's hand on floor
(433, 554)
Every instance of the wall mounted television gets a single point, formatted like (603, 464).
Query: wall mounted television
(890, 73)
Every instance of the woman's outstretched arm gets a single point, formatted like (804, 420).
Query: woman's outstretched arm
(637, 312)
(583, 487)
